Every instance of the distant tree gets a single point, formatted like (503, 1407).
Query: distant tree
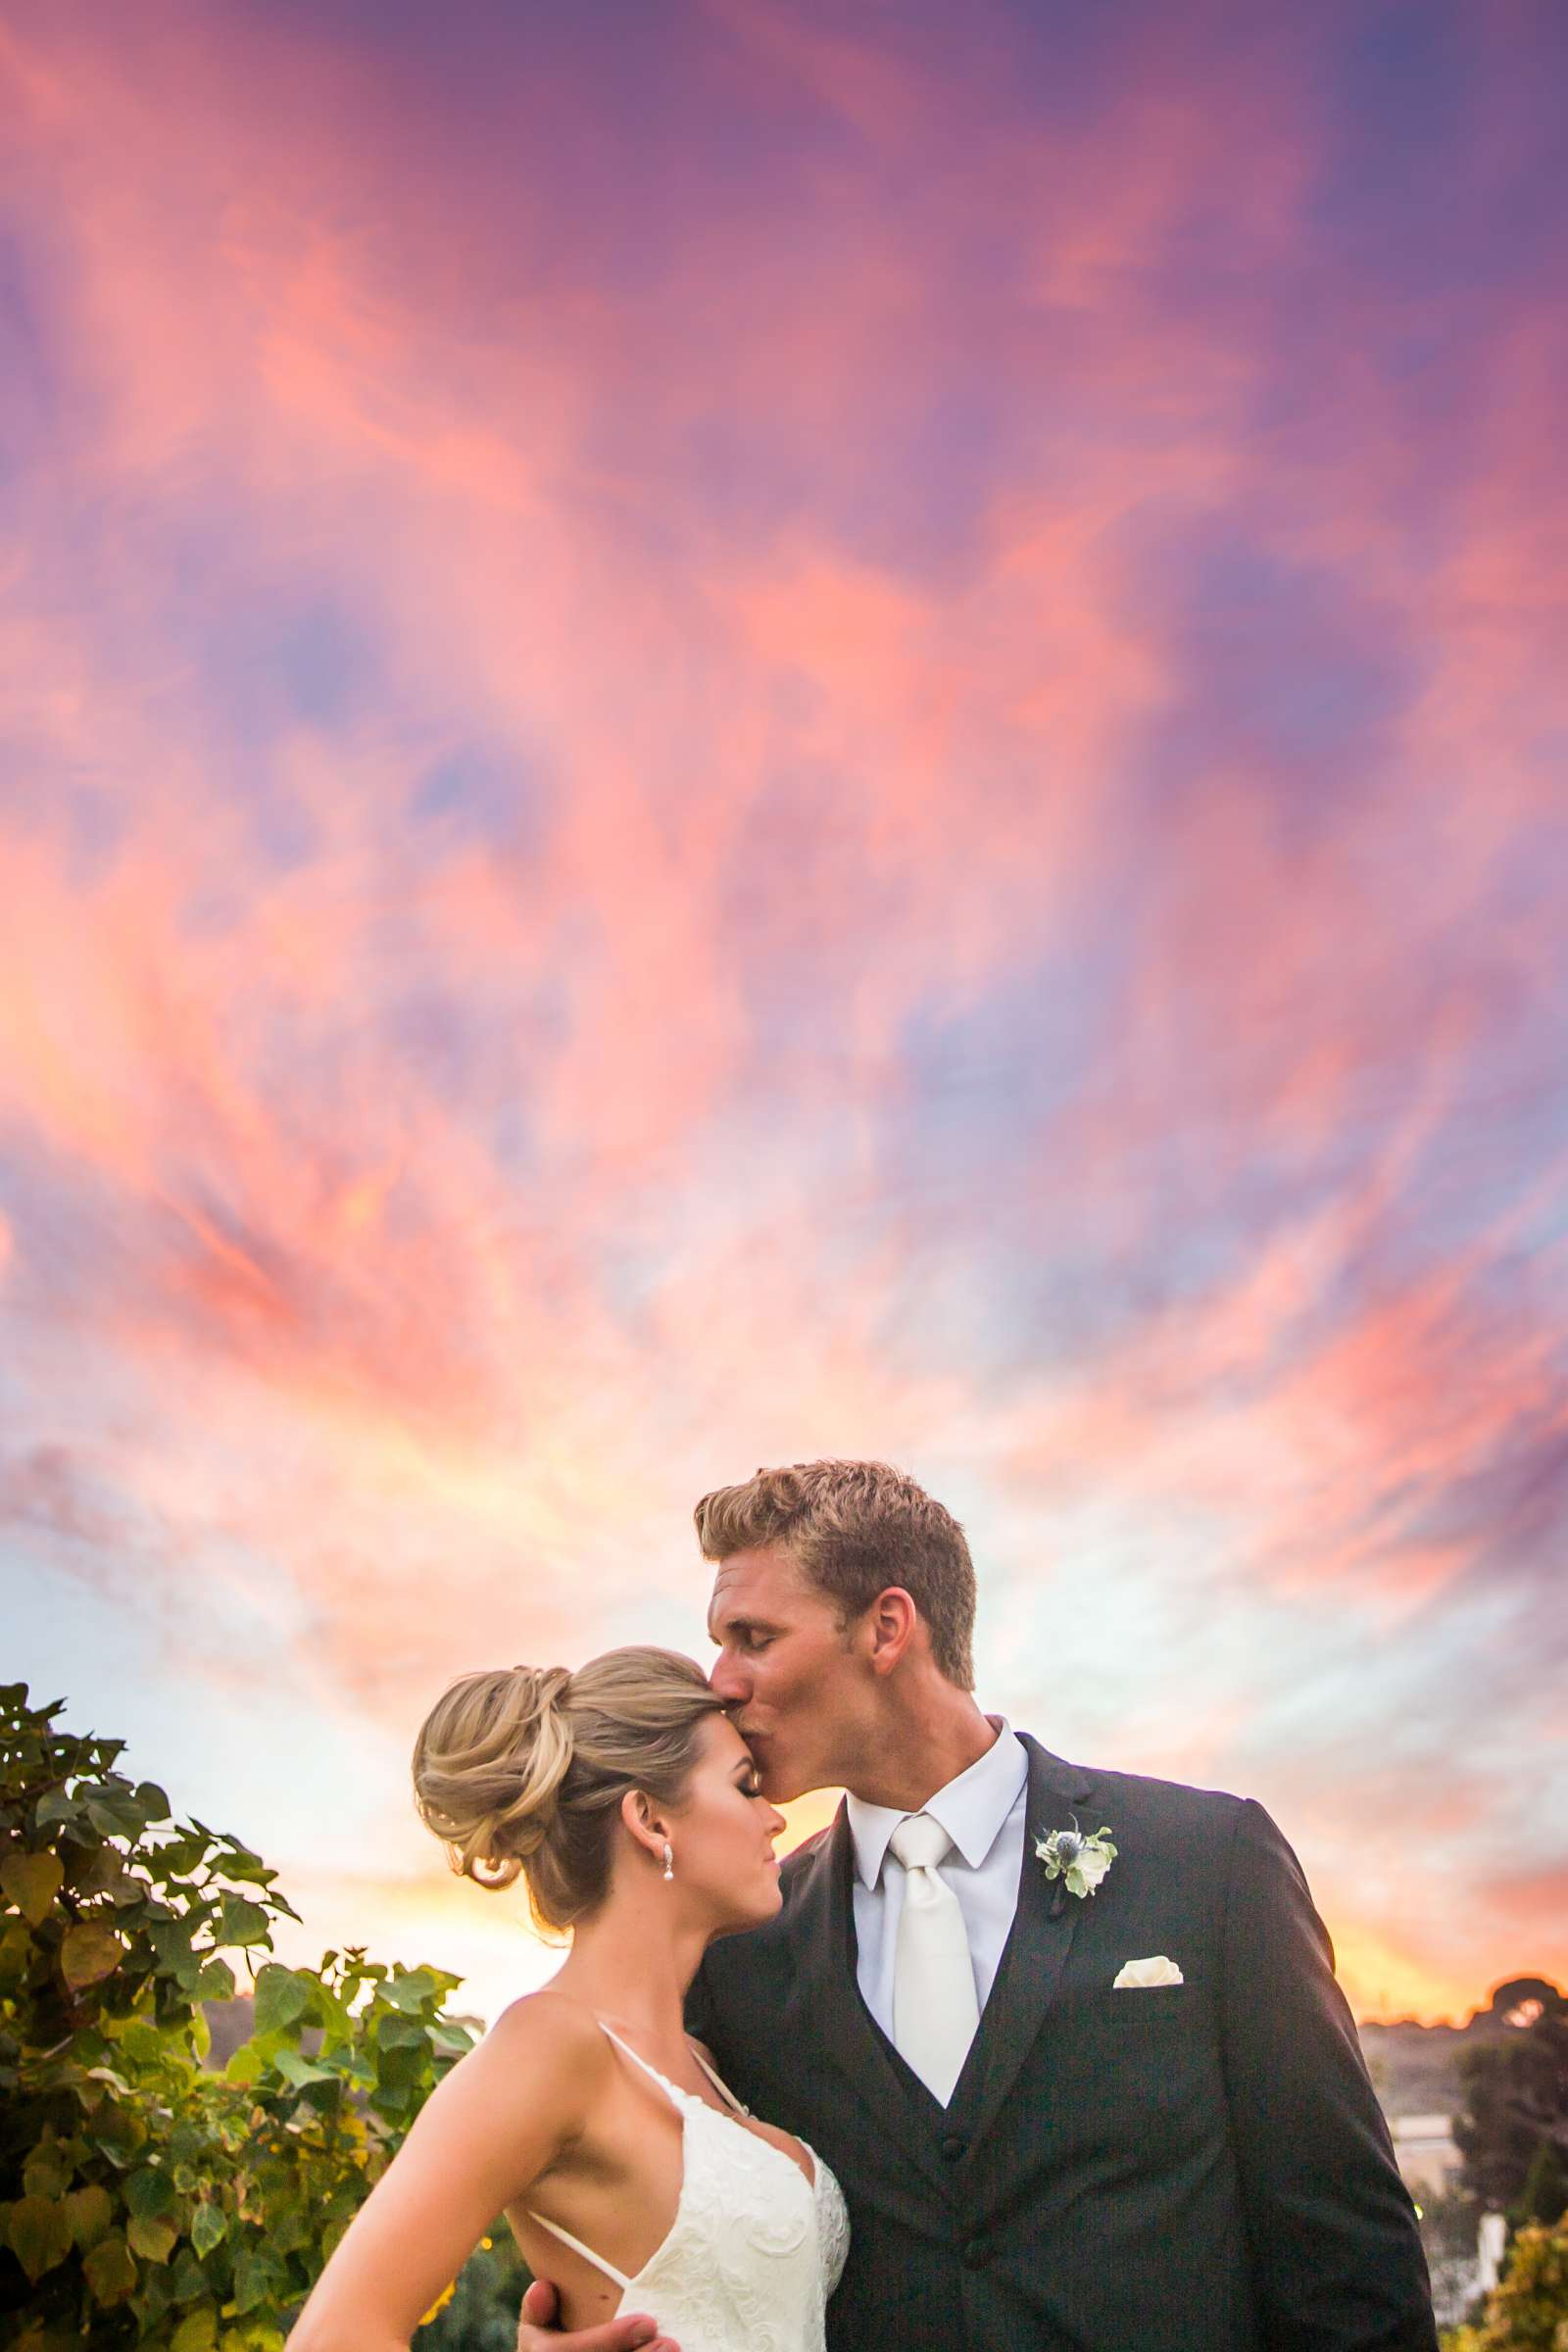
(1544, 2199)
(1514, 2090)
(1520, 2001)
(146, 2199)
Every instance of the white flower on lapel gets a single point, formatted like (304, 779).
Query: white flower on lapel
(1079, 1862)
(1138, 1976)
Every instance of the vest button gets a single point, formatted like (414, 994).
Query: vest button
(954, 2147)
(976, 2254)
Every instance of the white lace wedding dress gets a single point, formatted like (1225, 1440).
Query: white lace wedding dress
(755, 2250)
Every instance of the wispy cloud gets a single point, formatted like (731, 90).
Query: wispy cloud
(833, 734)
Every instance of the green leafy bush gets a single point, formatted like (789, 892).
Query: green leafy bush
(145, 2199)
(1527, 2310)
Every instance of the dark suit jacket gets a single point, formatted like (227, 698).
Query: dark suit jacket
(1197, 2168)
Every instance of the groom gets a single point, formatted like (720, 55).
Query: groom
(1108, 2098)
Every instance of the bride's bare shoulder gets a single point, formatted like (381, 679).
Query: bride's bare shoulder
(546, 2034)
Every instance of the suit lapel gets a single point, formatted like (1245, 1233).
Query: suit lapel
(1037, 1948)
(825, 2007)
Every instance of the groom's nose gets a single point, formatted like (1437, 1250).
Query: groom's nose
(728, 1682)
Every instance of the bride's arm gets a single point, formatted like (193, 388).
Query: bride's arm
(499, 2119)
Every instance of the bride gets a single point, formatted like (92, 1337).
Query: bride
(629, 2174)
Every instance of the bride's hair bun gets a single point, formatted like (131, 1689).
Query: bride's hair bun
(524, 1768)
(488, 1766)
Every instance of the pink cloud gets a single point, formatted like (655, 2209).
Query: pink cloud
(890, 933)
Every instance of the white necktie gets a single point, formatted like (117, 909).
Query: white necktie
(935, 2012)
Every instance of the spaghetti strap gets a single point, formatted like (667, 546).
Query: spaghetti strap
(617, 2278)
(668, 2087)
(555, 2231)
(735, 2105)
(723, 2089)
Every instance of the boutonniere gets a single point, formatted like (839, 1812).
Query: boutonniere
(1077, 1863)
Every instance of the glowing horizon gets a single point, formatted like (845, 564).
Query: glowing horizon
(744, 731)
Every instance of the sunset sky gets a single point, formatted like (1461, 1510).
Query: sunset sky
(733, 729)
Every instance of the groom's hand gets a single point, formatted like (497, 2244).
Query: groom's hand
(537, 2331)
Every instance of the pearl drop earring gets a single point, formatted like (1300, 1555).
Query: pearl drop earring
(669, 1860)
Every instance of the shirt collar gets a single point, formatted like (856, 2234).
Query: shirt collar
(971, 1808)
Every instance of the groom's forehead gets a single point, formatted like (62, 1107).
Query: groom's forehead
(753, 1591)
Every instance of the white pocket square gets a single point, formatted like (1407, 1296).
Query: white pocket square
(1139, 1975)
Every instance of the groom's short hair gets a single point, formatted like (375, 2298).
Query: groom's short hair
(856, 1527)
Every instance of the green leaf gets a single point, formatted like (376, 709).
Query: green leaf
(154, 2293)
(154, 2240)
(140, 2041)
(88, 1953)
(46, 2173)
(177, 1856)
(402, 2033)
(406, 2068)
(117, 2133)
(197, 2332)
(109, 2271)
(41, 2236)
(281, 1998)
(413, 1989)
(54, 1805)
(289, 2229)
(152, 1800)
(90, 2212)
(240, 1923)
(238, 1862)
(301, 2071)
(16, 1951)
(149, 2192)
(170, 1941)
(187, 2277)
(259, 2277)
(208, 2229)
(31, 1881)
(245, 2064)
(114, 1811)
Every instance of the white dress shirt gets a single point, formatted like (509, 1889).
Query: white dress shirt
(983, 1813)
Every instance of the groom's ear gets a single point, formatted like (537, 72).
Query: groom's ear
(891, 1624)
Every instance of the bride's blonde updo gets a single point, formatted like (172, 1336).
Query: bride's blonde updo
(524, 1768)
